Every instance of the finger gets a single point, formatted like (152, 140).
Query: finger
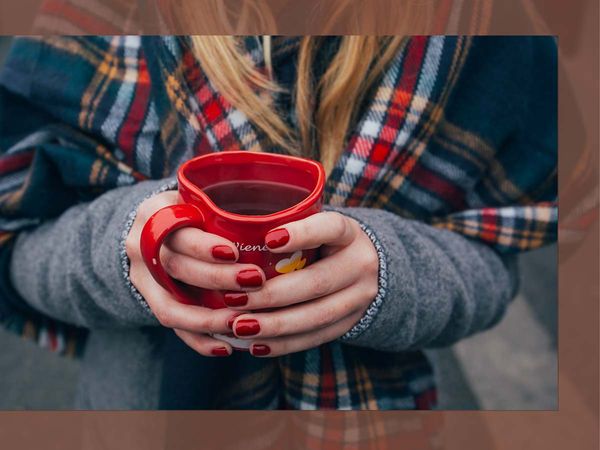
(203, 246)
(329, 228)
(172, 314)
(301, 318)
(300, 342)
(209, 275)
(154, 203)
(321, 278)
(203, 344)
(143, 213)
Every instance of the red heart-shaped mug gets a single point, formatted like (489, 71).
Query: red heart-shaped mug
(239, 195)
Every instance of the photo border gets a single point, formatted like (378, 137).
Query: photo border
(575, 423)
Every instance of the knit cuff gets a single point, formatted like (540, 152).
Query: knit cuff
(369, 316)
(373, 309)
(125, 263)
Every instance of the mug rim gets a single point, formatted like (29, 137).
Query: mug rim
(233, 156)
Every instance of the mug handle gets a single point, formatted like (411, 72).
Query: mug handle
(162, 223)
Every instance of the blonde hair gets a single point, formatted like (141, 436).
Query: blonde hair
(324, 108)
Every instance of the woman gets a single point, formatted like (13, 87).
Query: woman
(441, 158)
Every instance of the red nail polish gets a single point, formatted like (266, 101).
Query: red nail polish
(260, 350)
(249, 278)
(230, 322)
(277, 238)
(219, 351)
(235, 298)
(223, 252)
(247, 327)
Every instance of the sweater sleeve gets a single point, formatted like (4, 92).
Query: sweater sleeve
(450, 273)
(74, 268)
(435, 286)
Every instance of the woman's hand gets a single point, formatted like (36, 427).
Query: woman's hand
(196, 258)
(318, 303)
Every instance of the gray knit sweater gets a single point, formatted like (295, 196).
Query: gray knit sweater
(435, 287)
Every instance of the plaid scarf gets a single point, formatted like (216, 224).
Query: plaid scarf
(450, 136)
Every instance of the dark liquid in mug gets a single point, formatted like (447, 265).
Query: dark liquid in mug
(255, 198)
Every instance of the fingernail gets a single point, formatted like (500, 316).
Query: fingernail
(223, 252)
(235, 298)
(277, 238)
(249, 278)
(230, 322)
(260, 350)
(219, 351)
(247, 327)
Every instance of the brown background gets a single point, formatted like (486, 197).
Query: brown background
(574, 426)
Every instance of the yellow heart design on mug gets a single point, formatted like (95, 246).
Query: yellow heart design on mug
(294, 262)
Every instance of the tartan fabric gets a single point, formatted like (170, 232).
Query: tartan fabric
(459, 133)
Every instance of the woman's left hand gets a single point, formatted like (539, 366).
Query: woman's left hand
(318, 303)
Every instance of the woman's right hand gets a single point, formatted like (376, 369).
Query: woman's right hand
(196, 258)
